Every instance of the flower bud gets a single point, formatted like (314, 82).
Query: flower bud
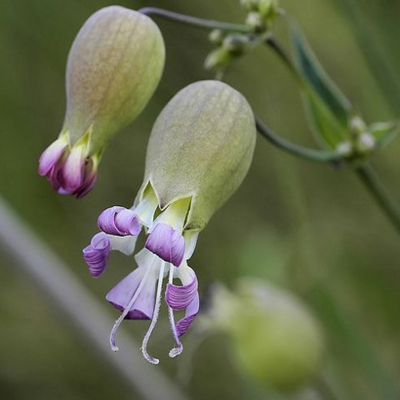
(275, 338)
(269, 9)
(249, 5)
(236, 44)
(201, 147)
(255, 21)
(216, 36)
(261, 13)
(114, 67)
(218, 59)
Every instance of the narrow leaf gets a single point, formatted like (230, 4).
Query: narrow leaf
(328, 107)
(384, 132)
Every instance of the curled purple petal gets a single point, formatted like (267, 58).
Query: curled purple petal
(191, 311)
(127, 222)
(179, 297)
(51, 156)
(122, 294)
(167, 243)
(106, 221)
(97, 253)
(119, 221)
(185, 296)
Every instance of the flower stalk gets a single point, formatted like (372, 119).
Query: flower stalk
(194, 21)
(378, 191)
(324, 156)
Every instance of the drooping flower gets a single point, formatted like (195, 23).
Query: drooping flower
(113, 69)
(199, 151)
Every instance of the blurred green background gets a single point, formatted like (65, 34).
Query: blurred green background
(304, 226)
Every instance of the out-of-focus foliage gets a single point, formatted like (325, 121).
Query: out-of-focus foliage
(308, 227)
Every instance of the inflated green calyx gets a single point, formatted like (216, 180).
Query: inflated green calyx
(201, 146)
(114, 67)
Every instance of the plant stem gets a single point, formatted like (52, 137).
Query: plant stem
(294, 149)
(380, 194)
(193, 21)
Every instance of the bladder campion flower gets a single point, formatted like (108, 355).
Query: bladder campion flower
(113, 69)
(199, 151)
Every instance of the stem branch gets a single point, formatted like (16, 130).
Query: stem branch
(380, 194)
(294, 149)
(193, 21)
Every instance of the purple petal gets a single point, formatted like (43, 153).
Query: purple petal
(167, 243)
(119, 221)
(55, 176)
(97, 253)
(106, 221)
(73, 170)
(127, 222)
(123, 292)
(51, 156)
(89, 180)
(191, 311)
(179, 297)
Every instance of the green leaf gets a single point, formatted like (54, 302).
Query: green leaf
(328, 107)
(384, 132)
(328, 128)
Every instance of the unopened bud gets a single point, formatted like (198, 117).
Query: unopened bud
(235, 44)
(255, 21)
(365, 144)
(114, 67)
(269, 9)
(216, 37)
(249, 5)
(219, 59)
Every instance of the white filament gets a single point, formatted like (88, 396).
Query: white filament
(127, 309)
(156, 312)
(176, 350)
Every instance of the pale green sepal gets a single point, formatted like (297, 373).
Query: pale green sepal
(201, 146)
(114, 67)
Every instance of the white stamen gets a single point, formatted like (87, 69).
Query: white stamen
(127, 309)
(176, 351)
(146, 355)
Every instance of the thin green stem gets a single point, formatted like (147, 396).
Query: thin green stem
(380, 194)
(193, 21)
(294, 149)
